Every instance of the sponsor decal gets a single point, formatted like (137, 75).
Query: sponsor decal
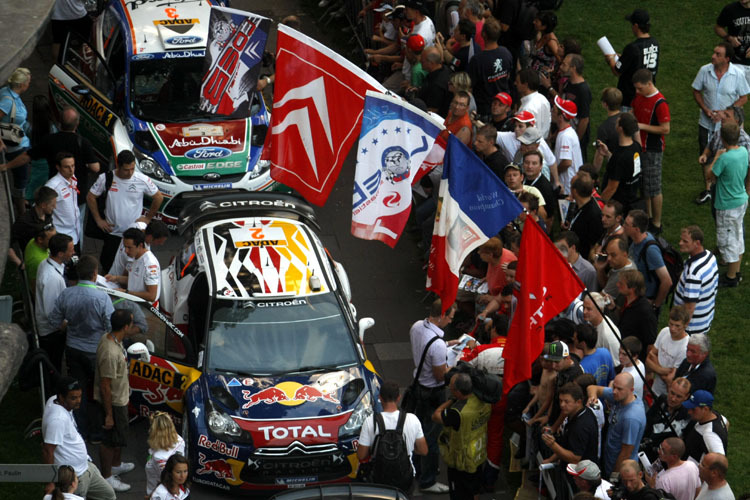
(211, 176)
(218, 446)
(142, 57)
(293, 431)
(296, 480)
(202, 129)
(160, 127)
(208, 153)
(288, 394)
(158, 374)
(234, 383)
(247, 381)
(191, 166)
(258, 236)
(174, 22)
(282, 303)
(97, 110)
(211, 483)
(219, 468)
(207, 205)
(307, 431)
(183, 40)
(217, 185)
(205, 141)
(183, 53)
(228, 164)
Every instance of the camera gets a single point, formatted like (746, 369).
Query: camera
(601, 257)
(619, 492)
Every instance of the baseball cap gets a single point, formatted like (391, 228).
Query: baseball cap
(531, 135)
(525, 117)
(504, 98)
(384, 7)
(415, 43)
(555, 351)
(398, 12)
(568, 108)
(638, 16)
(585, 469)
(699, 398)
(513, 165)
(417, 5)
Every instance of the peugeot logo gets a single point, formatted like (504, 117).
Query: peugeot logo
(212, 176)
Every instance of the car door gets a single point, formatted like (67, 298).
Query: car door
(82, 79)
(161, 361)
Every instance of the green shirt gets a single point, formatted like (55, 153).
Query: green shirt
(730, 171)
(417, 75)
(33, 256)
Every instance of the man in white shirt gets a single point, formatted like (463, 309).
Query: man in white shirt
(66, 217)
(144, 278)
(567, 145)
(412, 431)
(527, 83)
(124, 203)
(669, 350)
(50, 283)
(156, 233)
(607, 333)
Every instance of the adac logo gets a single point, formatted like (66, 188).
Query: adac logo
(287, 394)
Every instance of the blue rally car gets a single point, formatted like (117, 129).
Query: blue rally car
(265, 369)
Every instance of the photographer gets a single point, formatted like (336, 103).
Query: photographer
(587, 477)
(631, 485)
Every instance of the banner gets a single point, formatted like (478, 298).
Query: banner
(236, 41)
(394, 139)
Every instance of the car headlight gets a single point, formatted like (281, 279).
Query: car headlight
(353, 426)
(260, 167)
(151, 168)
(222, 424)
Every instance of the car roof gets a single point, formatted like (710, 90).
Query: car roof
(158, 27)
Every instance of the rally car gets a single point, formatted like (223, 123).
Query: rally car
(268, 376)
(136, 86)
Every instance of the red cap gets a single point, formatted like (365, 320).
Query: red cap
(568, 108)
(504, 98)
(525, 117)
(415, 43)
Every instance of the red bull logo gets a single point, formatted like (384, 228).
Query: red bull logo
(219, 468)
(287, 393)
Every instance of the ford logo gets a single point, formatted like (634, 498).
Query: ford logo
(212, 176)
(183, 40)
(208, 153)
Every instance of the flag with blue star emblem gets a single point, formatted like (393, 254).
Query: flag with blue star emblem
(394, 139)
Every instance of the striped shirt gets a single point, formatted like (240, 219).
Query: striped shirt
(698, 284)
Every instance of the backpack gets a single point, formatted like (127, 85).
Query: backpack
(671, 256)
(486, 386)
(390, 458)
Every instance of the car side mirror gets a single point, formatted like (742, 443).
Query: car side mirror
(81, 90)
(365, 324)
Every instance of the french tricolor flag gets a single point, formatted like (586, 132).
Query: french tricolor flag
(473, 206)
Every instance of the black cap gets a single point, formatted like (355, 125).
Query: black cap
(638, 16)
(419, 5)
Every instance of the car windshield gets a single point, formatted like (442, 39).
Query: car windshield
(279, 336)
(167, 90)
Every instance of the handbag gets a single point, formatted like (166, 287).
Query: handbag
(409, 399)
(10, 133)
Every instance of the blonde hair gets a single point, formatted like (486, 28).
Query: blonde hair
(461, 81)
(162, 434)
(19, 77)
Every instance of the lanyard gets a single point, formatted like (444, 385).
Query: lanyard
(85, 285)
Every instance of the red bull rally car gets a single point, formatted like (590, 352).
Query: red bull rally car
(265, 369)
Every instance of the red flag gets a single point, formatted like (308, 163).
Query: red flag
(547, 286)
(317, 112)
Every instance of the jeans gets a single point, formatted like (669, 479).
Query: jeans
(428, 399)
(81, 367)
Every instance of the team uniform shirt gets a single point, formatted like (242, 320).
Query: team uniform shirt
(50, 283)
(568, 147)
(488, 357)
(681, 481)
(698, 284)
(626, 426)
(422, 332)
(162, 493)
(671, 354)
(719, 94)
(411, 432)
(59, 428)
(66, 217)
(145, 271)
(651, 110)
(625, 167)
(125, 199)
(156, 462)
(640, 53)
(736, 19)
(122, 263)
(539, 106)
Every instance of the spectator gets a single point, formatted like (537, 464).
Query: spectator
(459, 50)
(412, 430)
(417, 12)
(668, 351)
(87, 311)
(144, 278)
(713, 472)
(527, 86)
(596, 360)
(13, 110)
(434, 91)
(533, 176)
(652, 112)
(587, 477)
(175, 483)
(464, 441)
(732, 114)
(729, 172)
(623, 177)
(607, 132)
(643, 52)
(530, 204)
(490, 70)
(637, 317)
(156, 234)
(65, 486)
(500, 111)
(578, 436)
(697, 367)
(50, 284)
(567, 145)
(666, 417)
(568, 243)
(112, 391)
(474, 12)
(124, 203)
(513, 178)
(531, 140)
(576, 89)
(708, 432)
(68, 16)
(486, 148)
(458, 121)
(611, 226)
(66, 216)
(36, 251)
(431, 391)
(608, 271)
(545, 54)
(627, 421)
(630, 349)
(497, 258)
(712, 100)
(696, 289)
(461, 82)
(607, 334)
(680, 478)
(631, 478)
(732, 26)
(587, 222)
(647, 257)
(28, 224)
(163, 442)
(64, 445)
(567, 369)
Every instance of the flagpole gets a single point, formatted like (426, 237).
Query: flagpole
(630, 357)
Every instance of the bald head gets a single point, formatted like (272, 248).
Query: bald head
(717, 463)
(626, 380)
(673, 447)
(630, 466)
(431, 58)
(69, 119)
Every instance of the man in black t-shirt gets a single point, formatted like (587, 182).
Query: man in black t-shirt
(733, 25)
(643, 52)
(567, 369)
(490, 70)
(579, 437)
(607, 131)
(434, 91)
(532, 170)
(623, 176)
(577, 90)
(484, 145)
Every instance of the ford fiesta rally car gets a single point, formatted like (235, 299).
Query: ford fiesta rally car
(266, 369)
(137, 87)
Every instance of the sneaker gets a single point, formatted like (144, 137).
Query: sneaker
(436, 488)
(703, 197)
(727, 282)
(123, 468)
(116, 484)
(654, 230)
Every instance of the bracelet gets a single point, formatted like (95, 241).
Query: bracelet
(268, 79)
